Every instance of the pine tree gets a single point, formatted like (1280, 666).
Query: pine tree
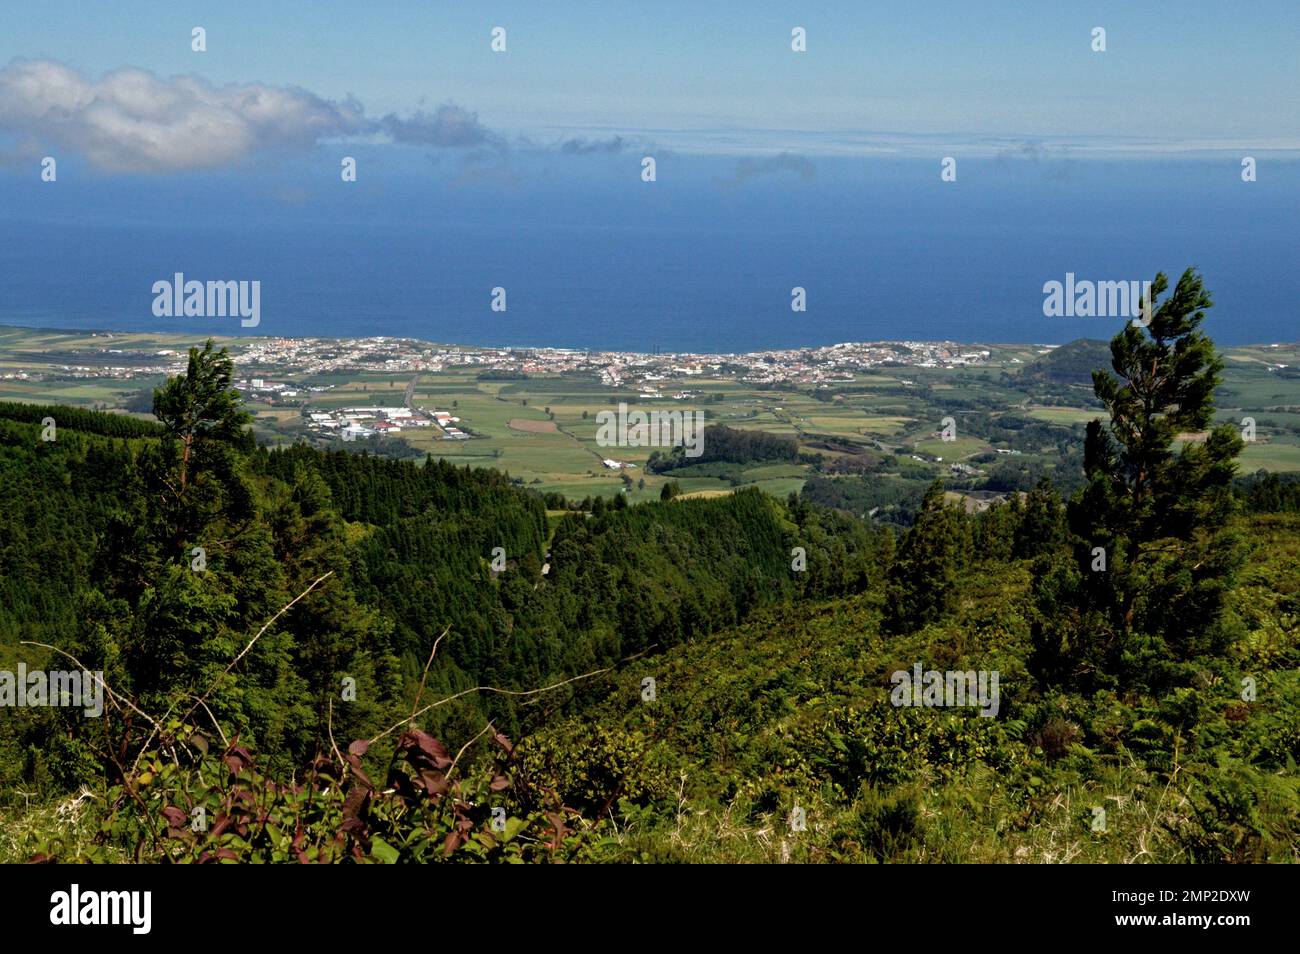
(194, 474)
(193, 572)
(199, 406)
(1143, 598)
(1042, 523)
(922, 582)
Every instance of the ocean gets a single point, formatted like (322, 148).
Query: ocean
(704, 259)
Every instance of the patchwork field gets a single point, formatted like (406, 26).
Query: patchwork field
(541, 428)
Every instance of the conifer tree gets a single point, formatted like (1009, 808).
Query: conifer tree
(923, 581)
(197, 571)
(1042, 522)
(204, 421)
(1142, 600)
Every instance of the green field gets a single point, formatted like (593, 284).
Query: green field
(881, 411)
(956, 449)
(1064, 415)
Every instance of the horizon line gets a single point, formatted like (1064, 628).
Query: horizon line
(219, 337)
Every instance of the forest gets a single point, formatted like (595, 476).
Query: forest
(333, 656)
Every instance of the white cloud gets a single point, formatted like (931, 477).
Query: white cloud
(132, 121)
(448, 126)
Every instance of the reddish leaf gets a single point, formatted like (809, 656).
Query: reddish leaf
(426, 745)
(435, 783)
(560, 830)
(238, 759)
(355, 801)
(362, 777)
(176, 817)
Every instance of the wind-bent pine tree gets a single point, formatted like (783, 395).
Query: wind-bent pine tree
(1142, 601)
(197, 571)
(199, 406)
(205, 424)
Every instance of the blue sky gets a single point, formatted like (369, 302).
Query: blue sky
(878, 79)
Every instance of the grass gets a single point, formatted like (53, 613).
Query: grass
(1064, 415)
(951, 450)
(1269, 456)
(512, 430)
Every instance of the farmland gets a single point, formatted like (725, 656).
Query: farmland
(994, 420)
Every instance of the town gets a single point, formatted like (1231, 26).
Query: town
(650, 373)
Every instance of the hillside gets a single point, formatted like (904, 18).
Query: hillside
(215, 651)
(1070, 365)
(792, 709)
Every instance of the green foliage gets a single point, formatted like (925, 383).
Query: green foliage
(1157, 520)
(215, 808)
(1265, 492)
(730, 445)
(881, 744)
(388, 554)
(893, 500)
(923, 580)
(881, 826)
(79, 419)
(591, 767)
(1164, 690)
(1071, 364)
(791, 709)
(1238, 815)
